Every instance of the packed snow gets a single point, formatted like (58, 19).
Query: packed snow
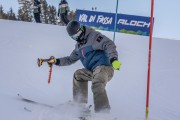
(21, 43)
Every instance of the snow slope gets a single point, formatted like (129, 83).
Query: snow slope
(21, 43)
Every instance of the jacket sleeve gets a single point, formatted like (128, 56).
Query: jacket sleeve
(59, 10)
(101, 42)
(65, 61)
(67, 7)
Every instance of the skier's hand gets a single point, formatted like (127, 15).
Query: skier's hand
(51, 61)
(116, 64)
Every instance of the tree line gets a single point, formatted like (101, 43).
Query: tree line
(25, 13)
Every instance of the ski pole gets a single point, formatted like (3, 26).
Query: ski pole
(40, 62)
(50, 73)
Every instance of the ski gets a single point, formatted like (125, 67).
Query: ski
(32, 101)
(85, 114)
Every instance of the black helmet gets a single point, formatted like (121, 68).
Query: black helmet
(73, 27)
(75, 30)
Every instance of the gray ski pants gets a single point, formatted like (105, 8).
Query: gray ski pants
(99, 77)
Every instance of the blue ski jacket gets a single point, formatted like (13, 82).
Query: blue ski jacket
(96, 50)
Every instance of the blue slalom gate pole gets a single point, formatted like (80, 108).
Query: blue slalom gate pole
(115, 22)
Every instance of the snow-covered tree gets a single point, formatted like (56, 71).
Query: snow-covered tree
(44, 11)
(52, 15)
(72, 15)
(25, 10)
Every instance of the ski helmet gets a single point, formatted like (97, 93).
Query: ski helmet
(74, 29)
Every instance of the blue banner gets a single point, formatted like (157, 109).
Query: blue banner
(130, 24)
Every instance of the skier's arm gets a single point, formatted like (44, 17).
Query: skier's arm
(67, 8)
(59, 10)
(67, 60)
(101, 42)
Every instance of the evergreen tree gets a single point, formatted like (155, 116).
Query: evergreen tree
(25, 11)
(44, 12)
(72, 15)
(20, 15)
(2, 14)
(52, 15)
(11, 15)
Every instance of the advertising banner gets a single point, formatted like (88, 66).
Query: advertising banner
(130, 24)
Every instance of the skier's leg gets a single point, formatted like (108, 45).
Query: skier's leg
(66, 19)
(80, 85)
(101, 75)
(37, 18)
(63, 19)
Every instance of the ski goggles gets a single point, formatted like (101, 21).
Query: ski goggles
(78, 34)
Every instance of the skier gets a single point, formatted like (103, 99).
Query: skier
(37, 11)
(63, 11)
(99, 56)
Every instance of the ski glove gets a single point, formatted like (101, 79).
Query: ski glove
(115, 63)
(51, 61)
